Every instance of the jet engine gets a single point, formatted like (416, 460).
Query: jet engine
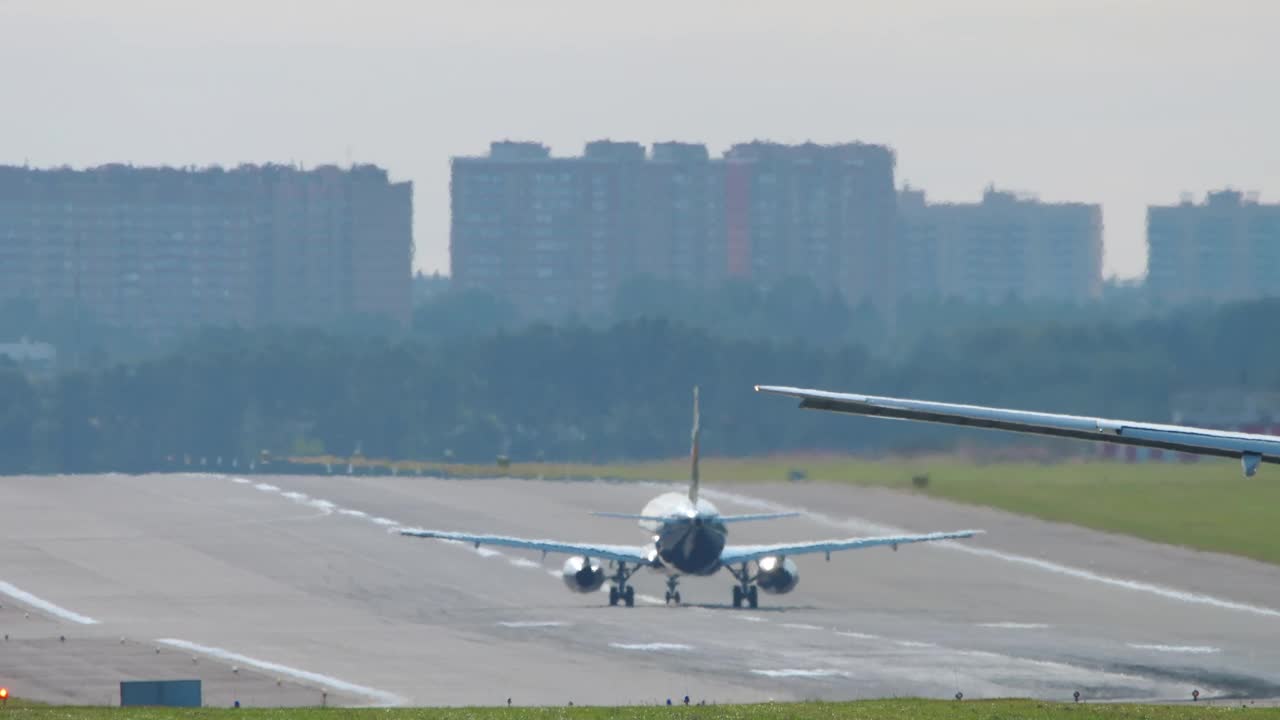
(777, 575)
(581, 575)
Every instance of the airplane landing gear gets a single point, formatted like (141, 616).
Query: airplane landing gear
(745, 590)
(620, 590)
(673, 595)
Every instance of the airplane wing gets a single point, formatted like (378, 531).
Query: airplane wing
(620, 553)
(1251, 449)
(742, 553)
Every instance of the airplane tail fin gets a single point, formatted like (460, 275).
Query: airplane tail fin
(693, 452)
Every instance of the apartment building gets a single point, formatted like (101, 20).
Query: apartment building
(162, 250)
(1226, 248)
(558, 236)
(1007, 245)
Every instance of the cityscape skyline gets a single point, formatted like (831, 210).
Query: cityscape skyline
(1167, 99)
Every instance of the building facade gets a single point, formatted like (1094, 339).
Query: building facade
(558, 236)
(1007, 246)
(1227, 248)
(162, 250)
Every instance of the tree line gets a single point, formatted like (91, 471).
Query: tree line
(583, 392)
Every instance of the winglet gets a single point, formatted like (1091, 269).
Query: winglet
(693, 452)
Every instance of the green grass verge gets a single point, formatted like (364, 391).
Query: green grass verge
(1206, 505)
(863, 710)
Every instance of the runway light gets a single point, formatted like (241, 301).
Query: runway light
(4, 695)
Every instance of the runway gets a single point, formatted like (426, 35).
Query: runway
(300, 585)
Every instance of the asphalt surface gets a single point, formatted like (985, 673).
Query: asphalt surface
(275, 589)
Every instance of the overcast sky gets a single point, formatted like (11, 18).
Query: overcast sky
(1122, 102)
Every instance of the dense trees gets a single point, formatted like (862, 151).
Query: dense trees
(615, 392)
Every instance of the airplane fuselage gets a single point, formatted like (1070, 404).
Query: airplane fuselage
(690, 538)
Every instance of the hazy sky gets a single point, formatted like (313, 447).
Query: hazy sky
(1123, 102)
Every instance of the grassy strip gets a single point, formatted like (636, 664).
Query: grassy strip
(862, 710)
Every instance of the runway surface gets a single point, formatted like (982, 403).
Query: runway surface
(272, 589)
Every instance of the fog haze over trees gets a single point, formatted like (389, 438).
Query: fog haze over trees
(470, 381)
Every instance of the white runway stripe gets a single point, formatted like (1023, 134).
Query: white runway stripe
(381, 697)
(43, 605)
(1190, 649)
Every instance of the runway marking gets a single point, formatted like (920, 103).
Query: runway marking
(532, 623)
(795, 673)
(385, 522)
(353, 513)
(296, 496)
(651, 647)
(485, 552)
(57, 611)
(382, 697)
(858, 635)
(800, 626)
(1014, 625)
(751, 618)
(241, 481)
(1046, 565)
(650, 599)
(266, 487)
(524, 562)
(1192, 649)
(913, 644)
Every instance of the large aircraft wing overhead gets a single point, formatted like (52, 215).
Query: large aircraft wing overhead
(1251, 449)
(620, 553)
(743, 553)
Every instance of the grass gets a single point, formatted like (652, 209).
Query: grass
(1207, 505)
(862, 710)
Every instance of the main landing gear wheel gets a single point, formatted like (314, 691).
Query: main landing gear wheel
(744, 591)
(620, 590)
(673, 595)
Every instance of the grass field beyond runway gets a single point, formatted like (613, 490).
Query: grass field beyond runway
(1207, 505)
(863, 710)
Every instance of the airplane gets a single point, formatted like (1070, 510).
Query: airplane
(688, 537)
(1249, 448)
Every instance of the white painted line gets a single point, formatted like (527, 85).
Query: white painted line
(241, 481)
(324, 505)
(532, 623)
(1014, 625)
(485, 552)
(297, 496)
(651, 600)
(913, 644)
(384, 521)
(266, 487)
(796, 673)
(43, 605)
(750, 618)
(861, 525)
(800, 626)
(858, 635)
(382, 698)
(352, 513)
(1191, 649)
(651, 647)
(524, 563)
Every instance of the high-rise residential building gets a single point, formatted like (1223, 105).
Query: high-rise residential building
(1005, 246)
(558, 236)
(161, 250)
(1227, 248)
